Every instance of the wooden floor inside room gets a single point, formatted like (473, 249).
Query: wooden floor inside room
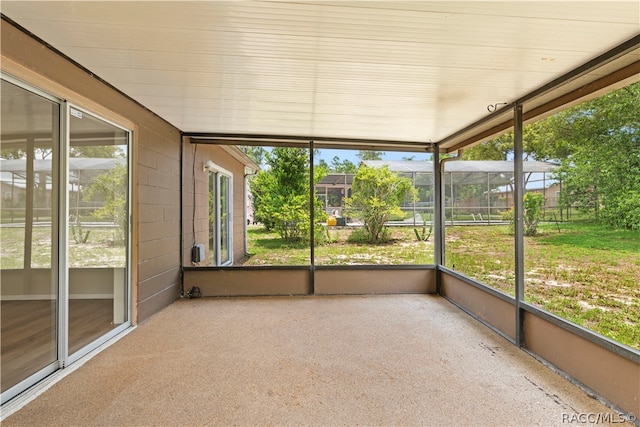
(29, 331)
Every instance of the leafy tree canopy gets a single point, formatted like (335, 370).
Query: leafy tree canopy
(342, 166)
(369, 155)
(97, 151)
(255, 153)
(597, 144)
(280, 194)
(110, 187)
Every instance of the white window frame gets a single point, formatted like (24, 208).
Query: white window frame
(128, 311)
(218, 172)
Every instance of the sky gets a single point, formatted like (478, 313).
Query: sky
(327, 155)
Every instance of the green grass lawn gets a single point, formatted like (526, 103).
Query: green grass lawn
(583, 272)
(590, 275)
(267, 248)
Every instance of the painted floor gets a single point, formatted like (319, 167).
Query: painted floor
(393, 360)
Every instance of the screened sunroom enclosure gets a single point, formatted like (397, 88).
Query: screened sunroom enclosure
(474, 191)
(434, 78)
(498, 187)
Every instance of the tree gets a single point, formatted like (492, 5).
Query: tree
(337, 166)
(496, 149)
(96, 151)
(263, 188)
(322, 164)
(280, 194)
(537, 144)
(342, 166)
(255, 152)
(376, 195)
(45, 152)
(290, 168)
(111, 188)
(597, 144)
(369, 155)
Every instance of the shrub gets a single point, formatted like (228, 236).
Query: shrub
(361, 236)
(623, 211)
(532, 204)
(376, 196)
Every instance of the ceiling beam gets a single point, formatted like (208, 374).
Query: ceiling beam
(303, 141)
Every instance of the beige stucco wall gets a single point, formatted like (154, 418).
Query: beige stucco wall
(301, 280)
(156, 162)
(249, 281)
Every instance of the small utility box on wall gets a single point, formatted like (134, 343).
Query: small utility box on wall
(197, 253)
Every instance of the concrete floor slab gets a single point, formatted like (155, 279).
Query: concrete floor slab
(325, 361)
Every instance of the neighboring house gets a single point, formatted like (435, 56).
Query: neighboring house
(551, 194)
(332, 189)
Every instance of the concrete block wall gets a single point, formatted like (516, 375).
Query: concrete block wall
(194, 159)
(159, 272)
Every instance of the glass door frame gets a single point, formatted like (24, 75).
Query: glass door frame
(56, 230)
(217, 173)
(60, 235)
(70, 358)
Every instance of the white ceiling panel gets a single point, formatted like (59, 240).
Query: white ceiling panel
(414, 71)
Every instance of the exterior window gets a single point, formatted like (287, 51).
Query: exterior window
(220, 216)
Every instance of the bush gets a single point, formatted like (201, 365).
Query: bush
(376, 197)
(532, 204)
(623, 211)
(291, 218)
(361, 236)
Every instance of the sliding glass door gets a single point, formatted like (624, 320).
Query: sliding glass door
(64, 234)
(28, 160)
(220, 216)
(98, 195)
